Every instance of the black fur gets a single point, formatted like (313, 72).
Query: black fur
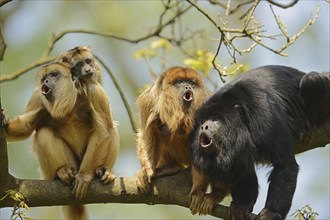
(315, 89)
(257, 118)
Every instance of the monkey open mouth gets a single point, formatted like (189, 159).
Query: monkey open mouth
(206, 143)
(188, 96)
(204, 140)
(45, 89)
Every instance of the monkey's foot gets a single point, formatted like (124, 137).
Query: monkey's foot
(142, 182)
(105, 174)
(66, 174)
(196, 200)
(238, 211)
(207, 205)
(81, 183)
(269, 215)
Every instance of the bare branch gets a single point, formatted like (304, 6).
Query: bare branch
(121, 93)
(3, 2)
(291, 4)
(17, 73)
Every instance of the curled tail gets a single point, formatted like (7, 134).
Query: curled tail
(74, 212)
(315, 91)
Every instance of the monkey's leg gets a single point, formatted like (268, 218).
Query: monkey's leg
(57, 160)
(197, 193)
(54, 156)
(97, 154)
(168, 169)
(105, 171)
(283, 180)
(244, 194)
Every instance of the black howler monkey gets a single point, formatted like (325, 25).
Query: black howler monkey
(256, 118)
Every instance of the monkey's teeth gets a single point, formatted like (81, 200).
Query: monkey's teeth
(188, 96)
(45, 89)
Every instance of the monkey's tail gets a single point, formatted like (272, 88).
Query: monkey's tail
(315, 90)
(75, 212)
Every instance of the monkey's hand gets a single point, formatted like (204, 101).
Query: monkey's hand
(237, 211)
(81, 183)
(66, 174)
(105, 174)
(196, 201)
(269, 214)
(4, 118)
(142, 181)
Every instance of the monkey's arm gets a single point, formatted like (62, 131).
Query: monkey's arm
(146, 139)
(22, 126)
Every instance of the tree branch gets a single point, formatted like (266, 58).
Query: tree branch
(291, 4)
(3, 2)
(121, 93)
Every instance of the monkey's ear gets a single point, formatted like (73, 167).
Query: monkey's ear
(238, 108)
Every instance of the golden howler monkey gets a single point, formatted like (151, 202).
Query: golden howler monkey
(167, 111)
(87, 76)
(64, 123)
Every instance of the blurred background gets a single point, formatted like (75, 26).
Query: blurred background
(28, 26)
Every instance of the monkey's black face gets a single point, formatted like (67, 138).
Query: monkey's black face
(207, 136)
(48, 84)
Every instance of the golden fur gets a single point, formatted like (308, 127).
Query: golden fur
(66, 130)
(166, 122)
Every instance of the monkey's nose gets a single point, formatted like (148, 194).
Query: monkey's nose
(188, 96)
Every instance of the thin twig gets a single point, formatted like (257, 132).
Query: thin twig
(16, 74)
(215, 58)
(121, 93)
(282, 5)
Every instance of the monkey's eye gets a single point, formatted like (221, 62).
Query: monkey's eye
(54, 74)
(192, 82)
(88, 61)
(65, 60)
(80, 64)
(179, 81)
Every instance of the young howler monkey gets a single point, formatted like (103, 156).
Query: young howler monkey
(86, 74)
(167, 111)
(256, 118)
(64, 123)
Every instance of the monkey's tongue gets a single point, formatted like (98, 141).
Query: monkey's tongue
(188, 96)
(45, 89)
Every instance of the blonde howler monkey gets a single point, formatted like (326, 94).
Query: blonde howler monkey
(167, 111)
(64, 123)
(86, 74)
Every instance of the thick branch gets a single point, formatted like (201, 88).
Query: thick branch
(165, 191)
